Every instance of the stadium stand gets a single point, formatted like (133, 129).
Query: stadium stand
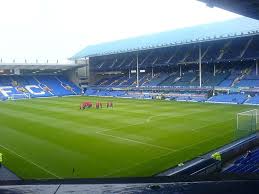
(68, 85)
(249, 80)
(192, 99)
(116, 80)
(90, 92)
(216, 80)
(17, 87)
(229, 98)
(166, 61)
(186, 79)
(226, 50)
(230, 79)
(169, 60)
(156, 80)
(170, 80)
(253, 100)
(245, 164)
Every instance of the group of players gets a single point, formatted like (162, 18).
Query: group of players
(88, 104)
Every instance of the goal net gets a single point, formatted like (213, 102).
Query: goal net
(20, 96)
(246, 123)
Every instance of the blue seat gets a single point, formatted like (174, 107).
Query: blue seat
(247, 164)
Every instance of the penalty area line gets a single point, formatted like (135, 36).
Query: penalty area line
(135, 141)
(29, 161)
(117, 128)
(163, 155)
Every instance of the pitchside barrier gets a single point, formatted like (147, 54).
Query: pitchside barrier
(247, 123)
(20, 96)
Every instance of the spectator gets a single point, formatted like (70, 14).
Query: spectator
(1, 159)
(248, 154)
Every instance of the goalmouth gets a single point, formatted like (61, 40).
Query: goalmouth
(247, 123)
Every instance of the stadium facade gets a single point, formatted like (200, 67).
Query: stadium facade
(19, 80)
(214, 63)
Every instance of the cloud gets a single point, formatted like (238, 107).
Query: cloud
(59, 28)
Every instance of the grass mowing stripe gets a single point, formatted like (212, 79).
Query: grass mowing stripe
(138, 142)
(69, 136)
(30, 161)
(169, 153)
(75, 115)
(150, 118)
(48, 121)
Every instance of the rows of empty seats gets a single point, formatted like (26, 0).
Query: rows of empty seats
(250, 80)
(94, 92)
(216, 80)
(191, 98)
(229, 76)
(230, 79)
(67, 83)
(186, 79)
(253, 100)
(168, 79)
(40, 86)
(245, 164)
(156, 80)
(143, 95)
(229, 98)
(144, 79)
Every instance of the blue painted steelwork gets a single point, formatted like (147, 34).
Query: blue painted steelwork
(220, 30)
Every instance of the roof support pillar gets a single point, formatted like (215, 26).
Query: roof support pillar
(214, 71)
(152, 73)
(200, 73)
(137, 72)
(256, 67)
(129, 73)
(180, 70)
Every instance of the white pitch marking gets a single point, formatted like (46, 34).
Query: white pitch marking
(137, 163)
(116, 128)
(141, 123)
(139, 142)
(42, 168)
(168, 153)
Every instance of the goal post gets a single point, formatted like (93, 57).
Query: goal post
(246, 123)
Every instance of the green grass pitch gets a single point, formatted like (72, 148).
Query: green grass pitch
(47, 138)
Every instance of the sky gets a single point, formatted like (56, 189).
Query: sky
(57, 29)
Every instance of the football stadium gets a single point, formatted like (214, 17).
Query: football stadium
(179, 102)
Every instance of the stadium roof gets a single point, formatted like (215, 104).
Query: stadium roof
(43, 66)
(207, 32)
(249, 8)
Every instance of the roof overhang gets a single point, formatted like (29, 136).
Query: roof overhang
(43, 66)
(198, 41)
(249, 8)
(235, 28)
